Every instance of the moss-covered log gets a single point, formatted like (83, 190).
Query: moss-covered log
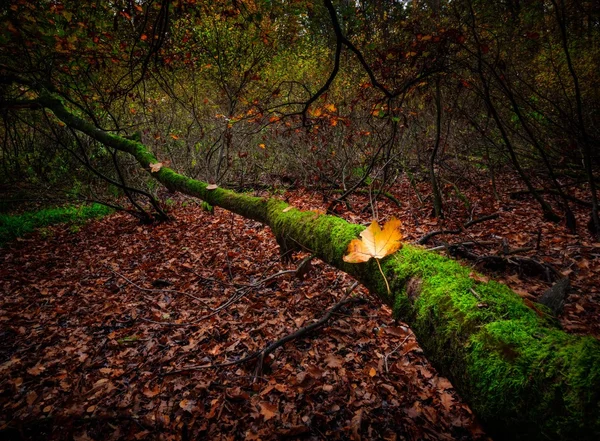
(523, 376)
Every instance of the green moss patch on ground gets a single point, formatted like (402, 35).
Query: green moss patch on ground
(15, 226)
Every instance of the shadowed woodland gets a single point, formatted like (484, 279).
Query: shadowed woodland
(183, 184)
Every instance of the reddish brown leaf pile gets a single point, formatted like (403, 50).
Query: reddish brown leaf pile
(88, 355)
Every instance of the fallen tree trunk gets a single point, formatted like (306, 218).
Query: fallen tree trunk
(522, 375)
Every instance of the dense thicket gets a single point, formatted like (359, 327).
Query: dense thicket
(337, 95)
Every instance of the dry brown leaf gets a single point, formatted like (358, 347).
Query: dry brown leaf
(9, 363)
(356, 423)
(426, 373)
(82, 437)
(251, 436)
(479, 277)
(334, 361)
(375, 242)
(187, 404)
(214, 406)
(36, 370)
(155, 168)
(415, 411)
(447, 401)
(151, 392)
(31, 397)
(314, 371)
(281, 388)
(396, 331)
(266, 390)
(410, 346)
(443, 383)
(267, 410)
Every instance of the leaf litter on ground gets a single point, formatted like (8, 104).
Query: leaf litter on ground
(88, 342)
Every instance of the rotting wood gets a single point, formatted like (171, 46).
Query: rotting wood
(555, 296)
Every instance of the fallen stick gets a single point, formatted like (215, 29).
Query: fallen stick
(173, 291)
(518, 193)
(430, 235)
(273, 346)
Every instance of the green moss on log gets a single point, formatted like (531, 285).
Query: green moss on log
(524, 377)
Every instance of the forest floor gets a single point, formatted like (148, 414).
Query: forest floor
(106, 333)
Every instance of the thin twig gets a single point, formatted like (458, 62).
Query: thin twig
(475, 294)
(239, 294)
(160, 290)
(383, 275)
(273, 346)
(385, 358)
(481, 219)
(428, 236)
(423, 240)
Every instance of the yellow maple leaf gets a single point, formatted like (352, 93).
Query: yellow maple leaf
(375, 242)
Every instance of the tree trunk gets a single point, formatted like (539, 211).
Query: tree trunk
(523, 376)
(438, 205)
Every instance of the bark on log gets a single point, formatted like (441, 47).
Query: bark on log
(523, 376)
(555, 296)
